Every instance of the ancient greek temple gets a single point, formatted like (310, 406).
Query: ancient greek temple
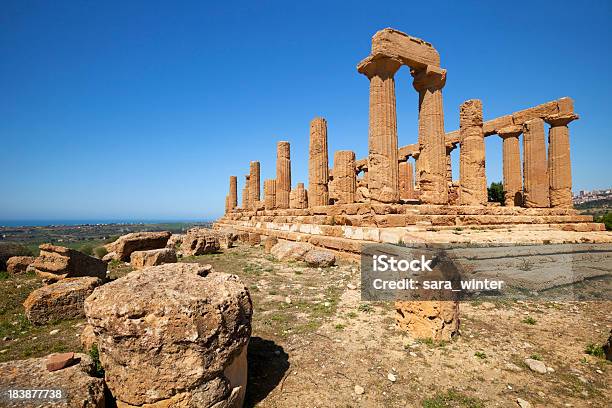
(411, 187)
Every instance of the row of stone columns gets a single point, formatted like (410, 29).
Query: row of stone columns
(383, 167)
(546, 181)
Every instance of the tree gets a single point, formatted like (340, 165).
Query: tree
(496, 192)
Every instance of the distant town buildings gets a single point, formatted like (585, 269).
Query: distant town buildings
(594, 195)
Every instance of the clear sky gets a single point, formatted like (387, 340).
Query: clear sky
(143, 109)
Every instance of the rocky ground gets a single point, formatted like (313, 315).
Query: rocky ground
(315, 344)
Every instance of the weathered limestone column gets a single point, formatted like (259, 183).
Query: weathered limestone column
(254, 186)
(345, 179)
(383, 168)
(298, 198)
(513, 182)
(246, 194)
(283, 174)
(406, 181)
(417, 179)
(269, 194)
(449, 163)
(559, 164)
(233, 192)
(318, 162)
(431, 166)
(473, 180)
(535, 167)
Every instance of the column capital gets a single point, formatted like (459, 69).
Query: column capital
(510, 131)
(450, 147)
(378, 65)
(430, 77)
(561, 119)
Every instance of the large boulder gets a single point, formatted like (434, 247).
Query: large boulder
(289, 251)
(79, 387)
(173, 335)
(320, 258)
(137, 241)
(19, 264)
(200, 241)
(152, 257)
(436, 320)
(61, 300)
(57, 262)
(8, 250)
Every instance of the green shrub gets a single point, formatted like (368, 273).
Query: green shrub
(595, 350)
(100, 251)
(496, 192)
(95, 356)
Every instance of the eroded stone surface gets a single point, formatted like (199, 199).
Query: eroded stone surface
(473, 190)
(535, 168)
(318, 163)
(283, 174)
(200, 241)
(345, 181)
(83, 390)
(173, 313)
(56, 262)
(59, 301)
(152, 257)
(436, 320)
(298, 198)
(138, 241)
(19, 264)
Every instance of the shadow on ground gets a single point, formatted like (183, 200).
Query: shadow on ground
(268, 364)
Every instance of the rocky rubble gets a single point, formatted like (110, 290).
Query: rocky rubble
(61, 300)
(179, 339)
(302, 251)
(81, 388)
(141, 259)
(200, 241)
(19, 264)
(137, 241)
(56, 262)
(8, 250)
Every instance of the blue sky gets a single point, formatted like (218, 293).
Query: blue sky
(144, 109)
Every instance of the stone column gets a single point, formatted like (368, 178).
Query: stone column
(318, 162)
(417, 179)
(246, 194)
(254, 186)
(383, 169)
(269, 194)
(298, 198)
(283, 175)
(535, 166)
(449, 163)
(513, 182)
(431, 166)
(559, 164)
(233, 192)
(406, 182)
(473, 180)
(345, 179)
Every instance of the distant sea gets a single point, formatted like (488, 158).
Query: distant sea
(45, 223)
